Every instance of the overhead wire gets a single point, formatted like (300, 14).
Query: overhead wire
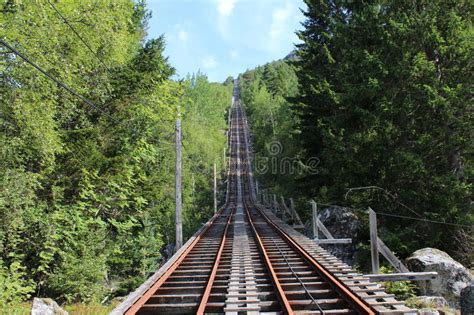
(78, 35)
(63, 18)
(65, 86)
(423, 220)
(407, 217)
(61, 84)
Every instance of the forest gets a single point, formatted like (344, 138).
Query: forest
(87, 194)
(378, 94)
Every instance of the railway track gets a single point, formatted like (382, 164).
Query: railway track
(247, 261)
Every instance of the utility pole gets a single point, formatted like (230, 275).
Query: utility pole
(215, 187)
(224, 162)
(179, 220)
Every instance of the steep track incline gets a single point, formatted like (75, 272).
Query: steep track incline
(247, 261)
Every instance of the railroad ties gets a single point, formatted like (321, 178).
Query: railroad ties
(245, 260)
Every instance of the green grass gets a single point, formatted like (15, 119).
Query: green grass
(16, 309)
(73, 309)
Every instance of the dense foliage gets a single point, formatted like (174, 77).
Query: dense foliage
(264, 91)
(384, 102)
(87, 195)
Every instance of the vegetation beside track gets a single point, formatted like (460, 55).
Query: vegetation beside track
(380, 97)
(87, 193)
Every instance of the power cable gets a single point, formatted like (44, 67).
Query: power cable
(61, 84)
(66, 87)
(78, 35)
(423, 220)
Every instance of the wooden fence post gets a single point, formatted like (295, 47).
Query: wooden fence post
(314, 207)
(374, 245)
(283, 208)
(274, 203)
(292, 208)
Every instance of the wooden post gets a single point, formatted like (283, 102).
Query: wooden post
(297, 216)
(283, 208)
(215, 188)
(256, 187)
(179, 222)
(374, 246)
(292, 208)
(274, 203)
(392, 259)
(314, 222)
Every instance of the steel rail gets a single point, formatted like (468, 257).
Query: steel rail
(135, 307)
(280, 292)
(356, 302)
(298, 278)
(212, 241)
(212, 276)
(360, 305)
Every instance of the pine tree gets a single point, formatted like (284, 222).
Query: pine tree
(384, 102)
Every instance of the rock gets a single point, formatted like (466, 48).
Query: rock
(467, 300)
(452, 276)
(45, 306)
(436, 302)
(341, 222)
(427, 311)
(167, 252)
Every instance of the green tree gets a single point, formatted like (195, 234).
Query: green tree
(86, 195)
(385, 103)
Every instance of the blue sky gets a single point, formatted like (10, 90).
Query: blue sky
(225, 37)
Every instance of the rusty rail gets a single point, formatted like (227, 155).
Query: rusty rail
(283, 273)
(207, 291)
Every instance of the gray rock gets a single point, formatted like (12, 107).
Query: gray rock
(452, 276)
(342, 222)
(45, 306)
(428, 311)
(430, 301)
(467, 300)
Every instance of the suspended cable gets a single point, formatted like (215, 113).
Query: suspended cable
(424, 220)
(61, 84)
(78, 35)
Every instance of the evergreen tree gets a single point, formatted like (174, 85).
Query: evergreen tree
(385, 103)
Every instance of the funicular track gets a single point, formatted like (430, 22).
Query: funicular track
(247, 261)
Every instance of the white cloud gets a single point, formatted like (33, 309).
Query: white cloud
(209, 62)
(233, 54)
(279, 19)
(225, 7)
(178, 34)
(183, 35)
(224, 10)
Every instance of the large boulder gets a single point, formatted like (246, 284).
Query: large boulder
(467, 300)
(45, 306)
(436, 302)
(452, 276)
(341, 222)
